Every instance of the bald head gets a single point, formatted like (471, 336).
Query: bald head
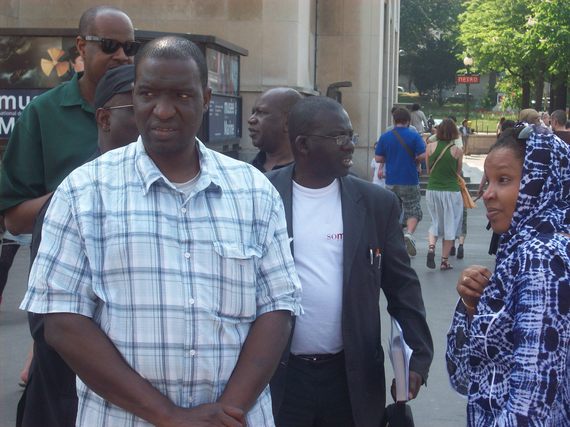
(88, 18)
(282, 98)
(174, 48)
(267, 124)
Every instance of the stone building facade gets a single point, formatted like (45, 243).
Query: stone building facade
(304, 44)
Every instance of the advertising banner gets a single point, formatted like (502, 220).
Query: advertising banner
(30, 65)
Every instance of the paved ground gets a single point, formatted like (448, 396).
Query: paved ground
(436, 406)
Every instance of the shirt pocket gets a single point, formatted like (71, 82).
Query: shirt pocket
(235, 265)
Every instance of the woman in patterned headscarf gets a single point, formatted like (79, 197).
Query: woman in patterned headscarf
(508, 346)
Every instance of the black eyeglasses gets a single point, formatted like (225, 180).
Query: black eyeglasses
(340, 140)
(109, 46)
(117, 107)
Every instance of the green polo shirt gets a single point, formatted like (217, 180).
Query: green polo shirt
(55, 134)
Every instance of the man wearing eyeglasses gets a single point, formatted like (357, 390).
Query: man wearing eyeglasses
(57, 130)
(50, 397)
(347, 244)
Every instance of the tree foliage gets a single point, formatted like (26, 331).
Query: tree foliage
(428, 34)
(435, 68)
(524, 41)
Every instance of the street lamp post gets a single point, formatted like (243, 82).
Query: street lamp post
(468, 62)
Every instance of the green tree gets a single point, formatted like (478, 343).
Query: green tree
(551, 27)
(435, 68)
(493, 32)
(426, 26)
(525, 41)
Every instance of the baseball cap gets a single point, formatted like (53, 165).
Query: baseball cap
(116, 80)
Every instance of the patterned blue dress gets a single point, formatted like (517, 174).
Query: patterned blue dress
(512, 360)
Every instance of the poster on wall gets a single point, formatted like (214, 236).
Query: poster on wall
(224, 121)
(223, 72)
(30, 65)
(12, 103)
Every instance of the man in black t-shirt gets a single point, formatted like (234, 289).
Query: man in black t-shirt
(267, 127)
(50, 397)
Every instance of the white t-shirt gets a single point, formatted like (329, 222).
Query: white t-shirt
(318, 249)
(188, 186)
(374, 165)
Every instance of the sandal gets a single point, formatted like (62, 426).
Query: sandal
(431, 257)
(460, 253)
(445, 265)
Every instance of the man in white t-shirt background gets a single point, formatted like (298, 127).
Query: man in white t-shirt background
(347, 244)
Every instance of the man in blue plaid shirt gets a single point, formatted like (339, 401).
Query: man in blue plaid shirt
(165, 268)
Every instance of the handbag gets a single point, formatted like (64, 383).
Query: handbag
(398, 415)
(468, 201)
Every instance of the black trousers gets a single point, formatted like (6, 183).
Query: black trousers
(9, 249)
(50, 398)
(316, 394)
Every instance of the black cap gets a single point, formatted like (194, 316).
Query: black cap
(116, 80)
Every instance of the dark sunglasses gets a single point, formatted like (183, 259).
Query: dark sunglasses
(110, 46)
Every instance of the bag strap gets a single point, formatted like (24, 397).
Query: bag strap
(447, 147)
(403, 144)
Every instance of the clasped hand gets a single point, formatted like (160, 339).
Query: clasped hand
(207, 415)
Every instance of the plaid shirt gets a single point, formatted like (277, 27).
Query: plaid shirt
(175, 282)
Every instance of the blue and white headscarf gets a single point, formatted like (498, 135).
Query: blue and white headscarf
(543, 204)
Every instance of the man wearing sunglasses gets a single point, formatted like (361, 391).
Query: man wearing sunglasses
(347, 245)
(57, 130)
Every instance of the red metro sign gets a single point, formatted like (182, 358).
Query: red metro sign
(468, 79)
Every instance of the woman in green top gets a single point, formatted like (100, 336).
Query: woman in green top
(445, 206)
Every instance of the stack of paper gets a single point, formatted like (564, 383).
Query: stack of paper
(400, 354)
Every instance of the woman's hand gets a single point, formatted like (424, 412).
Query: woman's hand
(471, 284)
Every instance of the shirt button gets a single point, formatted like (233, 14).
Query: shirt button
(190, 399)
(191, 301)
(192, 353)
(187, 255)
(183, 210)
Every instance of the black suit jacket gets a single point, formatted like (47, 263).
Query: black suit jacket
(370, 217)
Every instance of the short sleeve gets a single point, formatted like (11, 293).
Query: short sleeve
(278, 286)
(60, 278)
(381, 146)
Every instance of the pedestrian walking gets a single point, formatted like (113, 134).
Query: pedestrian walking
(443, 197)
